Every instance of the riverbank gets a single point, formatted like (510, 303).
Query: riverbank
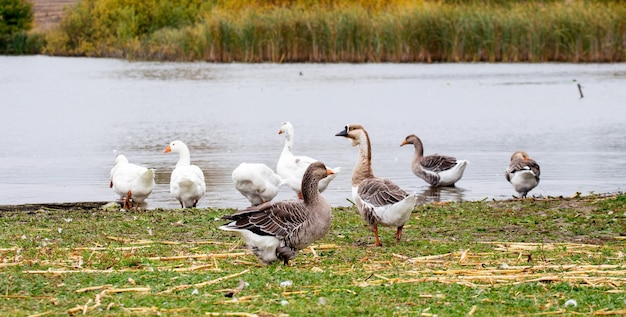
(358, 32)
(515, 257)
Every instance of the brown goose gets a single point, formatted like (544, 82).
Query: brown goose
(379, 200)
(278, 230)
(523, 173)
(437, 170)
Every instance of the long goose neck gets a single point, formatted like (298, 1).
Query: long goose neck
(363, 166)
(288, 141)
(184, 158)
(310, 189)
(419, 150)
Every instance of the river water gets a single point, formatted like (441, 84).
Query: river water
(63, 120)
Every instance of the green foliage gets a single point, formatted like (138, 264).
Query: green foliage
(15, 16)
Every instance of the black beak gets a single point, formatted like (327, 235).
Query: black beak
(343, 132)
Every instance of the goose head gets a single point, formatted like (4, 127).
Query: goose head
(520, 155)
(120, 158)
(355, 132)
(286, 128)
(176, 147)
(411, 139)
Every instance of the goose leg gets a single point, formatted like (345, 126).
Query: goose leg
(127, 204)
(399, 233)
(375, 229)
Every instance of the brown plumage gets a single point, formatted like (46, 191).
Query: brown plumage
(523, 173)
(437, 170)
(277, 230)
(379, 200)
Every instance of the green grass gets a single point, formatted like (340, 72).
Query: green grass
(515, 258)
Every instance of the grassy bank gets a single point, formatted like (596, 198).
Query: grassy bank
(514, 258)
(354, 31)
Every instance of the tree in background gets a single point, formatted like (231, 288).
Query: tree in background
(15, 16)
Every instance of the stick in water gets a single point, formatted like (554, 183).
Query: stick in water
(580, 90)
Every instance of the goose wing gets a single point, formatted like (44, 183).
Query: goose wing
(518, 165)
(380, 192)
(278, 219)
(437, 163)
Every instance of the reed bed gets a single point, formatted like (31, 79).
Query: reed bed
(400, 31)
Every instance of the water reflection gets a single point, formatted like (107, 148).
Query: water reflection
(443, 194)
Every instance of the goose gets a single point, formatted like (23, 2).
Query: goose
(277, 230)
(131, 182)
(522, 172)
(379, 201)
(291, 167)
(436, 170)
(187, 183)
(257, 182)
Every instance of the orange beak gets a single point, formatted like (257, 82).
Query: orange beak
(167, 149)
(329, 171)
(403, 143)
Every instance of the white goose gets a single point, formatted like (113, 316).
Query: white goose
(131, 182)
(187, 183)
(436, 170)
(257, 182)
(278, 230)
(523, 173)
(291, 167)
(379, 200)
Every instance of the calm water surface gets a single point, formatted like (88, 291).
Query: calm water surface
(63, 120)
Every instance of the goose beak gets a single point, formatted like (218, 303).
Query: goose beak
(329, 172)
(167, 149)
(343, 132)
(403, 143)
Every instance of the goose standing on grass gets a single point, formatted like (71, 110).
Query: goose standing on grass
(436, 170)
(278, 230)
(523, 173)
(187, 183)
(291, 167)
(379, 200)
(257, 182)
(132, 182)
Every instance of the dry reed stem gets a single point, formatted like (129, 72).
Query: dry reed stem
(93, 288)
(126, 290)
(144, 241)
(215, 281)
(610, 312)
(209, 267)
(111, 248)
(41, 314)
(52, 271)
(198, 256)
(234, 314)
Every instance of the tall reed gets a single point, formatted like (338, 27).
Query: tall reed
(369, 31)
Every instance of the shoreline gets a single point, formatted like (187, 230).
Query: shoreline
(101, 204)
